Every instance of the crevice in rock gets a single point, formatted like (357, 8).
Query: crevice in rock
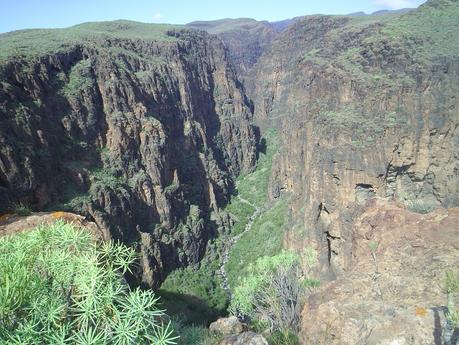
(330, 252)
(321, 208)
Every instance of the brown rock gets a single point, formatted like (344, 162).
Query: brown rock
(228, 326)
(11, 224)
(394, 296)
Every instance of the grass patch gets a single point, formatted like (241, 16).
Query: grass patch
(241, 213)
(30, 44)
(80, 79)
(264, 239)
(254, 186)
(194, 334)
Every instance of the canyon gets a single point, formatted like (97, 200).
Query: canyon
(349, 123)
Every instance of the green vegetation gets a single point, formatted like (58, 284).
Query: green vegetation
(173, 187)
(428, 30)
(241, 213)
(264, 239)
(451, 286)
(424, 34)
(106, 178)
(254, 186)
(80, 79)
(364, 128)
(22, 209)
(266, 234)
(201, 286)
(271, 294)
(194, 335)
(30, 44)
(199, 290)
(58, 286)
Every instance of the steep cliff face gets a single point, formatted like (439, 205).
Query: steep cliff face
(245, 38)
(140, 127)
(367, 109)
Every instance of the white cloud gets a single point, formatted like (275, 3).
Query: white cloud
(395, 4)
(157, 16)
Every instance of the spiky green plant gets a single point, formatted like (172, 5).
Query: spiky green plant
(59, 286)
(451, 286)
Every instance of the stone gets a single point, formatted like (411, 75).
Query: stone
(228, 326)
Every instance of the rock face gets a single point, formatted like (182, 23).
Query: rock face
(11, 224)
(393, 294)
(366, 110)
(360, 115)
(144, 136)
(245, 38)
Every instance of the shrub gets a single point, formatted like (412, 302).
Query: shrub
(264, 238)
(57, 286)
(106, 179)
(202, 284)
(451, 286)
(272, 293)
(80, 79)
(22, 209)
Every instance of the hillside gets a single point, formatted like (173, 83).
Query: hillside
(141, 129)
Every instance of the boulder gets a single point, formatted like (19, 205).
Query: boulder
(228, 326)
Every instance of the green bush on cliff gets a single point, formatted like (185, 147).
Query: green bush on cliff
(58, 286)
(80, 79)
(271, 294)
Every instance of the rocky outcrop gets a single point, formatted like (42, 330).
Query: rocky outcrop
(142, 136)
(11, 224)
(394, 293)
(228, 326)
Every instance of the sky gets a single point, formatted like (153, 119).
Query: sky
(25, 14)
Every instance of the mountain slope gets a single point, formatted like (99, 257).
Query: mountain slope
(367, 110)
(139, 127)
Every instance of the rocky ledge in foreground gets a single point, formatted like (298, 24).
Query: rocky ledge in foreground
(394, 293)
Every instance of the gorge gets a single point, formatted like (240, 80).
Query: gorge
(208, 146)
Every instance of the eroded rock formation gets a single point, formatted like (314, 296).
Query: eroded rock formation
(143, 136)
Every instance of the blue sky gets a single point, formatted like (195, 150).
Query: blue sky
(21, 14)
